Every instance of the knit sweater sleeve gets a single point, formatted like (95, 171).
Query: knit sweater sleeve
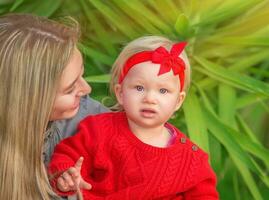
(205, 186)
(69, 150)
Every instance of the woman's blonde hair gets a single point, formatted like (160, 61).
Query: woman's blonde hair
(146, 43)
(33, 54)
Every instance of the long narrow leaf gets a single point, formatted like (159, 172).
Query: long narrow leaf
(42, 8)
(194, 120)
(249, 180)
(115, 18)
(98, 79)
(221, 132)
(244, 81)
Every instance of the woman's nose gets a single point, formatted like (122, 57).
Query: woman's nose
(85, 88)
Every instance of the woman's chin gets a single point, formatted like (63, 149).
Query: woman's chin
(71, 113)
(65, 115)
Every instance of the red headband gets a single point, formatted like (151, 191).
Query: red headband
(167, 61)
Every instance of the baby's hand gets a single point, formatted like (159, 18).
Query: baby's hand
(71, 179)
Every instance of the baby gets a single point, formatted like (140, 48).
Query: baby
(135, 153)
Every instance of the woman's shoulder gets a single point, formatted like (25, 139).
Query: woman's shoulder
(61, 129)
(90, 106)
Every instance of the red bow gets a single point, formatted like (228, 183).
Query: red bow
(167, 61)
(170, 61)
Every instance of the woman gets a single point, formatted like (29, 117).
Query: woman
(41, 87)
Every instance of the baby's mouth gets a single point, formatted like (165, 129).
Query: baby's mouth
(148, 113)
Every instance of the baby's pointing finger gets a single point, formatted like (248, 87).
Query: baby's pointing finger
(79, 163)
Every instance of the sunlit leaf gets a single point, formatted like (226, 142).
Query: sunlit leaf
(243, 81)
(193, 113)
(98, 79)
(43, 8)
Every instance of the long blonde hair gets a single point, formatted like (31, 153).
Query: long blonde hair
(146, 43)
(33, 54)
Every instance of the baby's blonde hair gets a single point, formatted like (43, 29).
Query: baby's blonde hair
(146, 43)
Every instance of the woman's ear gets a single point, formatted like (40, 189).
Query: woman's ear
(181, 98)
(118, 93)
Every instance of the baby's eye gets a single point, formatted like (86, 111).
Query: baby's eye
(163, 90)
(139, 88)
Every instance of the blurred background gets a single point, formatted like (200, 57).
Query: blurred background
(226, 111)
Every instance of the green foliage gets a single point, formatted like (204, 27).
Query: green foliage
(226, 110)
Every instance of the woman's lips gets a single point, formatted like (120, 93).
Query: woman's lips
(76, 104)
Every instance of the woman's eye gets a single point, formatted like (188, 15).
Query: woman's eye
(71, 90)
(163, 90)
(139, 88)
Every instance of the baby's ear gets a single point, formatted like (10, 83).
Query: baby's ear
(181, 98)
(118, 93)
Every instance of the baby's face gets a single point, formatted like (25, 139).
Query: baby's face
(149, 99)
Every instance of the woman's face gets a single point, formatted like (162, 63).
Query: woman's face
(72, 87)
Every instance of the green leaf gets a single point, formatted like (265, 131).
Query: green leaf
(240, 64)
(226, 105)
(16, 4)
(250, 143)
(41, 8)
(245, 173)
(236, 186)
(230, 138)
(235, 79)
(226, 10)
(169, 10)
(248, 61)
(225, 135)
(182, 25)
(97, 55)
(246, 41)
(100, 29)
(193, 113)
(248, 99)
(4, 7)
(132, 9)
(98, 79)
(115, 17)
(252, 22)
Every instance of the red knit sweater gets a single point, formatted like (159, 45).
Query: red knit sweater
(119, 166)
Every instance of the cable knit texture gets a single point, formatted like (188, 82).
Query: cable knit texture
(120, 166)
